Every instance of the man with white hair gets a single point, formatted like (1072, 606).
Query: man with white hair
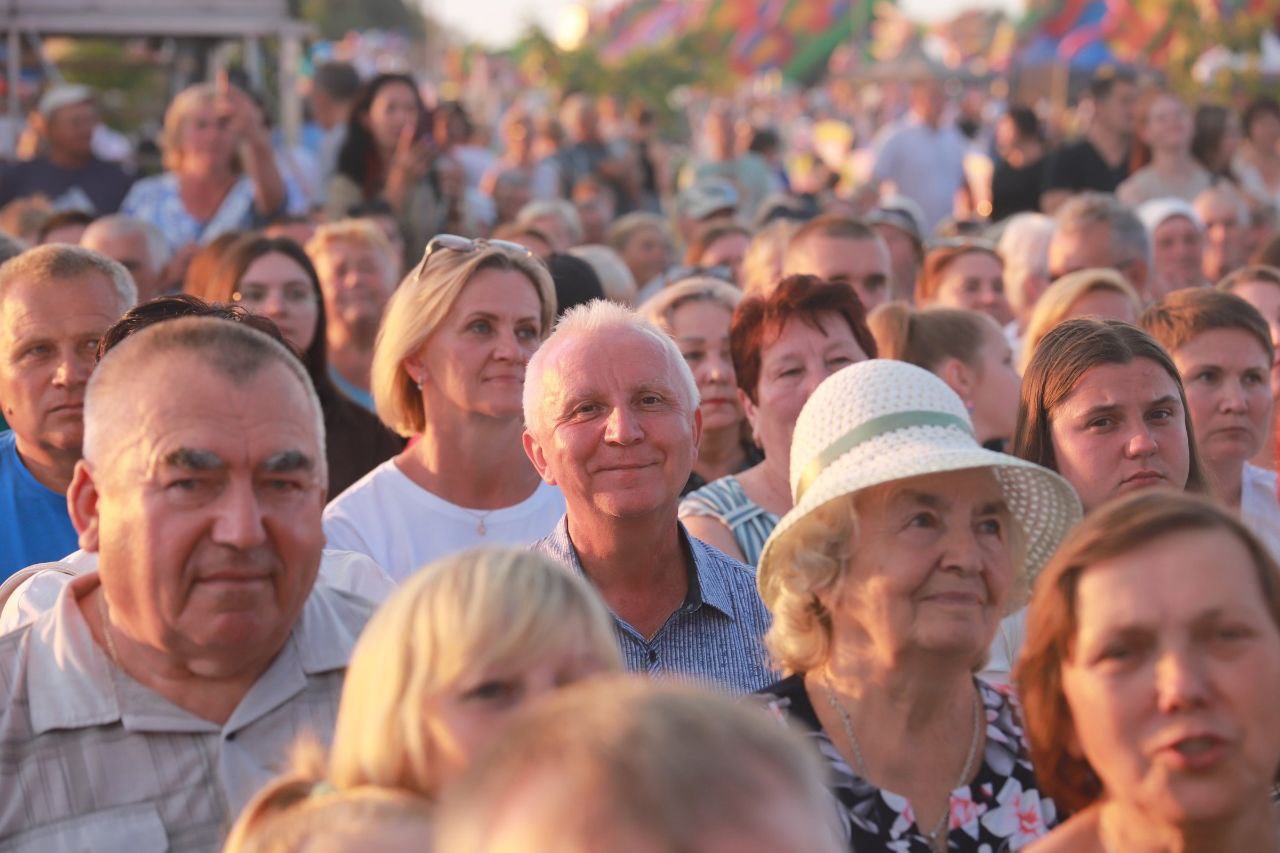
(164, 689)
(611, 415)
(138, 246)
(1177, 245)
(1225, 214)
(55, 303)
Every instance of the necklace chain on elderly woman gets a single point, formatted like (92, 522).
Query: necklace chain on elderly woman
(938, 833)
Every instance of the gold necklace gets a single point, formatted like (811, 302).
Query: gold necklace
(936, 835)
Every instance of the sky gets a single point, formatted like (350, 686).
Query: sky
(497, 23)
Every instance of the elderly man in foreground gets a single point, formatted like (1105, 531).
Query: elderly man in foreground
(611, 414)
(161, 691)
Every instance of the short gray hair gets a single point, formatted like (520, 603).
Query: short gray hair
(560, 208)
(231, 350)
(59, 262)
(123, 225)
(1129, 241)
(598, 316)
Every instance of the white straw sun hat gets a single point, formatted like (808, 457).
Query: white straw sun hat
(881, 420)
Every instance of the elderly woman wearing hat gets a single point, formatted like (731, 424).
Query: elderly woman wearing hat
(886, 583)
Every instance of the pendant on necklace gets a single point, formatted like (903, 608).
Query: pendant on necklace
(480, 527)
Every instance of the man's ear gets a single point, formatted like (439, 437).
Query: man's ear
(82, 506)
(533, 450)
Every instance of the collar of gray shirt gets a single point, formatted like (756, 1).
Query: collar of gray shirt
(709, 582)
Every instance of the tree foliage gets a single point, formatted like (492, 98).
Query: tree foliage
(334, 18)
(694, 58)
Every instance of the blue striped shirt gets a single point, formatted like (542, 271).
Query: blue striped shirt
(716, 636)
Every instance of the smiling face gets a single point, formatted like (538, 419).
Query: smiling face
(618, 435)
(975, 281)
(356, 281)
(207, 520)
(475, 360)
(931, 569)
(792, 365)
(277, 287)
(701, 330)
(49, 334)
(1226, 374)
(1174, 678)
(1121, 428)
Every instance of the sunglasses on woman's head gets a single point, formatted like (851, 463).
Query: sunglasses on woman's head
(456, 243)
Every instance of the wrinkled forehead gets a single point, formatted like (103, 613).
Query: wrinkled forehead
(30, 303)
(178, 401)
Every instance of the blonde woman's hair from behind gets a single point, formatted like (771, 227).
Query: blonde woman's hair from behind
(460, 616)
(418, 307)
(1056, 303)
(299, 811)
(630, 764)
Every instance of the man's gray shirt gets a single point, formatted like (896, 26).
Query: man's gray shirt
(92, 760)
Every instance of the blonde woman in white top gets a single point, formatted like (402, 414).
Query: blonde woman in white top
(448, 371)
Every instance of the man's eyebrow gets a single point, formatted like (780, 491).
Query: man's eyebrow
(194, 460)
(287, 462)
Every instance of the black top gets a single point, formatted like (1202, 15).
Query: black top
(1016, 189)
(1077, 166)
(356, 442)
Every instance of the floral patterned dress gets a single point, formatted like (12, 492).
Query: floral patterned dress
(1001, 809)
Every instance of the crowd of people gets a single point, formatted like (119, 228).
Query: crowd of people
(427, 489)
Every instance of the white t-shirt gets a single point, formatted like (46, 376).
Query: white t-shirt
(349, 572)
(1259, 507)
(402, 526)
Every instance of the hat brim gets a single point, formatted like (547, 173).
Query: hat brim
(1045, 505)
